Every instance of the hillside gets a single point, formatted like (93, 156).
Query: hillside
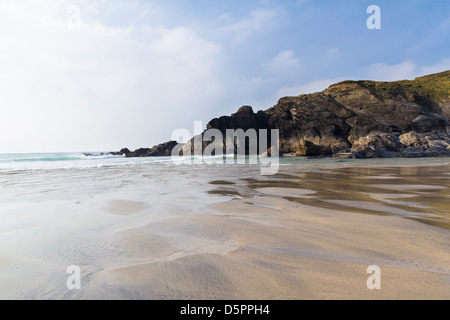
(365, 119)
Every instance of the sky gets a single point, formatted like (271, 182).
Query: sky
(100, 75)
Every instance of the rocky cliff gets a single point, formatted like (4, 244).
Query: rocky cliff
(364, 119)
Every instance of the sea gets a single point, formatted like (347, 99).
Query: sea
(20, 162)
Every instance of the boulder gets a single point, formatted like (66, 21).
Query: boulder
(410, 139)
(125, 151)
(309, 149)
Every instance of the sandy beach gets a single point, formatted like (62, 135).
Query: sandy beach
(225, 232)
(242, 150)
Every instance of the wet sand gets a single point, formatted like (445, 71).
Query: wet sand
(302, 235)
(309, 232)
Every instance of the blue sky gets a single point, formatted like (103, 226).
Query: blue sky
(101, 75)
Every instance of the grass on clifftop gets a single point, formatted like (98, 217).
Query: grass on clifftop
(435, 87)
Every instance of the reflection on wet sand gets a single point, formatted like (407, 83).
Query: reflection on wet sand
(419, 193)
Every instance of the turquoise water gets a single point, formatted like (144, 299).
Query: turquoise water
(79, 160)
(69, 160)
(34, 157)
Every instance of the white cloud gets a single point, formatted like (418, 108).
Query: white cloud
(440, 66)
(284, 60)
(258, 21)
(99, 86)
(310, 87)
(404, 70)
(385, 72)
(333, 51)
(378, 72)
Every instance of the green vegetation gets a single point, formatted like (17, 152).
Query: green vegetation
(434, 88)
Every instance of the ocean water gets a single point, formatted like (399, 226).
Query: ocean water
(22, 162)
(70, 175)
(49, 161)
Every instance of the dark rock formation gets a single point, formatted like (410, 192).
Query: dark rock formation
(244, 119)
(162, 150)
(120, 153)
(366, 119)
(125, 151)
(315, 119)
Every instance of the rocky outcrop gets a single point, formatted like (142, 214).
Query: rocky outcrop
(365, 119)
(102, 154)
(245, 118)
(162, 150)
(315, 121)
(402, 118)
(125, 151)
